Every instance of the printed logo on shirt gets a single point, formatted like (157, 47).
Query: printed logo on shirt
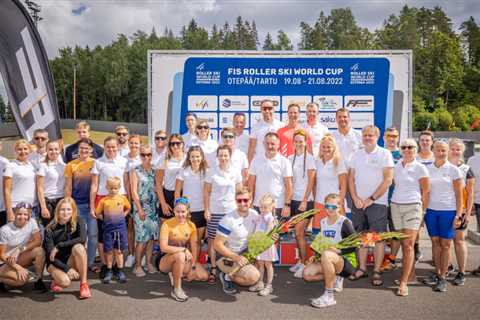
(329, 233)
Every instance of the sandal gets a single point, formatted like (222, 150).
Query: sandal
(94, 269)
(212, 277)
(377, 279)
(402, 292)
(356, 276)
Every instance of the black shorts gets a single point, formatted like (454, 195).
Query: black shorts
(373, 218)
(51, 205)
(3, 218)
(198, 219)
(170, 199)
(294, 204)
(100, 231)
(348, 269)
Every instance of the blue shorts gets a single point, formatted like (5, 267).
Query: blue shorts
(117, 240)
(440, 223)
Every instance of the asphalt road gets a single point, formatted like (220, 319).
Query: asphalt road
(149, 298)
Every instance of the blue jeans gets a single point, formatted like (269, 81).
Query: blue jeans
(91, 225)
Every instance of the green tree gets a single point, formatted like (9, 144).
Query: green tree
(268, 43)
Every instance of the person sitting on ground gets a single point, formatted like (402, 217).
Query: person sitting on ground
(113, 209)
(20, 247)
(334, 265)
(179, 250)
(64, 245)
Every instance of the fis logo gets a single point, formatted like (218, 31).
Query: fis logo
(354, 67)
(201, 66)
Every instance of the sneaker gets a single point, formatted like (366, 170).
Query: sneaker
(103, 272)
(138, 272)
(179, 295)
(441, 285)
(338, 287)
(259, 286)
(227, 285)
(418, 254)
(299, 273)
(108, 277)
(55, 287)
(120, 275)
(459, 279)
(39, 285)
(295, 267)
(266, 291)
(130, 261)
(85, 291)
(451, 272)
(432, 280)
(323, 301)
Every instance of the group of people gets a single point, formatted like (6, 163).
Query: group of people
(152, 207)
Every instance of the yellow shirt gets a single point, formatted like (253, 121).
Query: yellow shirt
(178, 235)
(79, 171)
(113, 209)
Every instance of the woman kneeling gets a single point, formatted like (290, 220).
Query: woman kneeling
(334, 265)
(179, 246)
(64, 244)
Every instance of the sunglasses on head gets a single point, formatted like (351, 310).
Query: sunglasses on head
(163, 138)
(203, 127)
(123, 134)
(228, 136)
(175, 143)
(143, 155)
(331, 207)
(242, 200)
(40, 138)
(407, 147)
(182, 200)
(23, 205)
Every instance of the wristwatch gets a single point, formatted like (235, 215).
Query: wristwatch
(287, 204)
(372, 198)
(22, 248)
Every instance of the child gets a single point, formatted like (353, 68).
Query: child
(113, 209)
(264, 223)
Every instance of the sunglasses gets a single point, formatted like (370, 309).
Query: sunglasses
(163, 138)
(228, 136)
(203, 127)
(182, 200)
(243, 200)
(267, 108)
(331, 207)
(40, 138)
(175, 143)
(122, 134)
(407, 147)
(23, 205)
(143, 155)
(392, 136)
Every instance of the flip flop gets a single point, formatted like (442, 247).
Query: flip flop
(212, 277)
(377, 279)
(355, 277)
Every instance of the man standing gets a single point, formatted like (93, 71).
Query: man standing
(191, 123)
(272, 173)
(314, 128)
(286, 133)
(241, 137)
(268, 123)
(371, 173)
(40, 140)
(348, 139)
(82, 129)
(122, 139)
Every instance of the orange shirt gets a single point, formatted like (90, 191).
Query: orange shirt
(287, 147)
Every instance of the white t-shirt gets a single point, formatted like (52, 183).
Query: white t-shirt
(316, 133)
(133, 162)
(239, 160)
(156, 156)
(442, 193)
(187, 137)
(369, 171)
(36, 158)
(241, 142)
(270, 175)
(171, 169)
(12, 237)
(407, 184)
(237, 229)
(106, 168)
(23, 182)
(300, 174)
(3, 166)
(209, 148)
(474, 163)
(222, 195)
(348, 144)
(426, 162)
(260, 129)
(54, 179)
(192, 187)
(327, 178)
(123, 151)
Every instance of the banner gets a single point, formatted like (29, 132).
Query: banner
(26, 73)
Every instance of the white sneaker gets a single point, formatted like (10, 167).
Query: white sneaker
(338, 287)
(299, 273)
(144, 261)
(323, 301)
(139, 272)
(257, 287)
(266, 291)
(295, 267)
(130, 261)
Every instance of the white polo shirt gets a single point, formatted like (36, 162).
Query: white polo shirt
(187, 137)
(241, 142)
(426, 162)
(106, 168)
(193, 187)
(348, 144)
(123, 151)
(156, 156)
(3, 166)
(369, 171)
(270, 175)
(316, 133)
(300, 168)
(239, 160)
(23, 182)
(407, 182)
(237, 229)
(327, 178)
(54, 179)
(260, 129)
(222, 195)
(133, 162)
(442, 193)
(12, 237)
(474, 163)
(209, 148)
(36, 158)
(171, 169)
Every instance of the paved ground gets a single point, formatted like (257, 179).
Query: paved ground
(149, 298)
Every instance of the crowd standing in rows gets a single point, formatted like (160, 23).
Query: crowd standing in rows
(151, 207)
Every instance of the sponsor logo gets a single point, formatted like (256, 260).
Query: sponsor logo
(359, 103)
(201, 66)
(203, 104)
(204, 76)
(226, 103)
(258, 103)
(354, 67)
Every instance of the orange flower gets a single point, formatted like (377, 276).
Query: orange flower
(286, 227)
(369, 238)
